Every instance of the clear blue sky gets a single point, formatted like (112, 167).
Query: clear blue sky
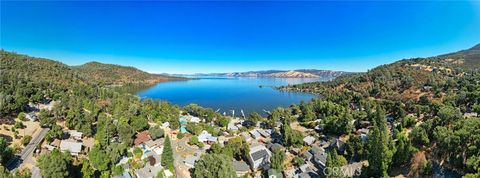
(191, 37)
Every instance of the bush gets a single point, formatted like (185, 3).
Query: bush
(19, 125)
(193, 140)
(180, 135)
(26, 140)
(137, 152)
(21, 116)
(156, 132)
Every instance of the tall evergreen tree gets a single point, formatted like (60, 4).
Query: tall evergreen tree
(278, 158)
(379, 154)
(167, 155)
(334, 162)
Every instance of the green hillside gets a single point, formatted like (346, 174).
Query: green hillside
(434, 102)
(110, 74)
(404, 80)
(27, 79)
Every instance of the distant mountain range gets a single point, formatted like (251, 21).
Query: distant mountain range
(300, 73)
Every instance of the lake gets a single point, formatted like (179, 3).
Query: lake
(230, 93)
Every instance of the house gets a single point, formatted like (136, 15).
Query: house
(275, 146)
(241, 168)
(309, 140)
(141, 137)
(290, 172)
(263, 133)
(152, 144)
(306, 175)
(232, 127)
(295, 151)
(319, 156)
(246, 136)
(195, 119)
(307, 155)
(148, 171)
(75, 134)
(165, 125)
(339, 145)
(49, 147)
(72, 146)
(259, 156)
(305, 168)
(207, 137)
(190, 161)
(255, 134)
(272, 173)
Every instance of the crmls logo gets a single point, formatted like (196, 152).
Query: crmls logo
(342, 171)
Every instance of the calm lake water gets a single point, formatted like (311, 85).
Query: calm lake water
(230, 93)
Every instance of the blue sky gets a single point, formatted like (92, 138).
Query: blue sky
(191, 37)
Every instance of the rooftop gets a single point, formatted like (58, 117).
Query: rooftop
(72, 146)
(141, 137)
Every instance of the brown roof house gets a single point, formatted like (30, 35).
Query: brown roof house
(141, 137)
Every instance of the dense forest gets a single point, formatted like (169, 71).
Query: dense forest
(418, 111)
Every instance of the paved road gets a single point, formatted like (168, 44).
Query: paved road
(18, 160)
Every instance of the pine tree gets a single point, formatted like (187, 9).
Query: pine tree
(379, 154)
(334, 162)
(278, 158)
(167, 155)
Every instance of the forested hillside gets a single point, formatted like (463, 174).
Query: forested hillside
(433, 101)
(27, 79)
(110, 74)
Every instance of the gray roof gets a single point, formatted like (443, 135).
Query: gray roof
(308, 155)
(275, 146)
(317, 150)
(72, 146)
(339, 145)
(152, 143)
(307, 175)
(255, 134)
(191, 160)
(320, 159)
(259, 154)
(263, 133)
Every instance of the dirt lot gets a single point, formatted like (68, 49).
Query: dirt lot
(30, 129)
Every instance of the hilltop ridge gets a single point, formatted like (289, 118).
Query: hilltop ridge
(112, 74)
(299, 73)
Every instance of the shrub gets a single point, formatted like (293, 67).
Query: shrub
(26, 140)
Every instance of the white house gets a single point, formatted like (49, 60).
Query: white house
(72, 146)
(206, 137)
(259, 156)
(75, 134)
(309, 140)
